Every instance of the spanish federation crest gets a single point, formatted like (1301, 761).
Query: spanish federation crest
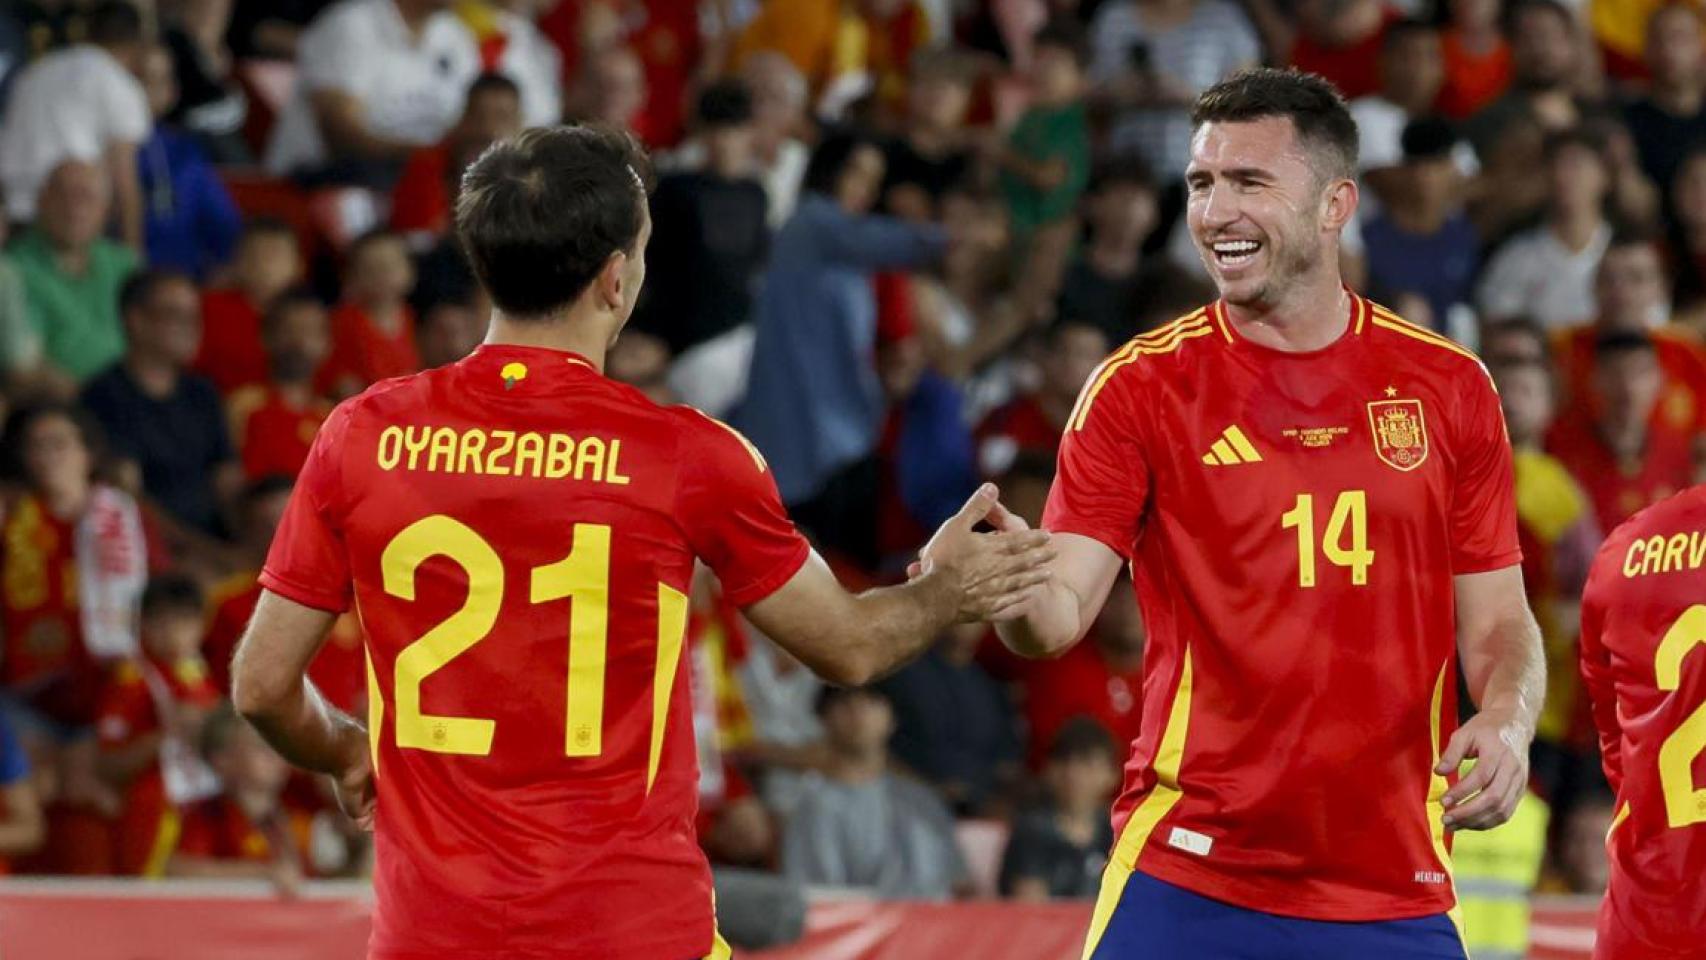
(1400, 433)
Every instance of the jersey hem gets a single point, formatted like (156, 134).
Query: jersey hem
(765, 586)
(306, 596)
(1510, 558)
(1218, 887)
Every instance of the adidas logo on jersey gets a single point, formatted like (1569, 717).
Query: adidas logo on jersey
(1232, 448)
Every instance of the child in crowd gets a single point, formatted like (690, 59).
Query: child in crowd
(149, 723)
(273, 423)
(373, 330)
(232, 352)
(1058, 851)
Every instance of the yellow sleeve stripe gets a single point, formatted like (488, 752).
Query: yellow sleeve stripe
(757, 457)
(1387, 320)
(1195, 326)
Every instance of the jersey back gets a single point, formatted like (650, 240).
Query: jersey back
(519, 535)
(1643, 648)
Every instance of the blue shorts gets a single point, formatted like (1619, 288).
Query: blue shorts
(1158, 921)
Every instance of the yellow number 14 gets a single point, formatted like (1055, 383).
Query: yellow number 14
(1349, 510)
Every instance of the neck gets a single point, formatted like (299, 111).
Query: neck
(295, 393)
(1626, 441)
(68, 503)
(574, 334)
(928, 140)
(156, 377)
(72, 259)
(1056, 409)
(1683, 99)
(859, 767)
(1576, 227)
(383, 313)
(1527, 443)
(1312, 315)
(1115, 257)
(1479, 37)
(1416, 218)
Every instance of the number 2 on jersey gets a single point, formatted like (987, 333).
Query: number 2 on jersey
(1685, 804)
(1350, 509)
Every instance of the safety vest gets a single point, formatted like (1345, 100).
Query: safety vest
(1496, 871)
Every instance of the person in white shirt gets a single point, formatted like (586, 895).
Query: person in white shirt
(377, 78)
(1412, 68)
(1547, 272)
(81, 103)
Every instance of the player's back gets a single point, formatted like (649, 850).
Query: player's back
(1643, 618)
(520, 533)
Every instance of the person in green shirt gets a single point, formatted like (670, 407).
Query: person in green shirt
(1045, 162)
(72, 275)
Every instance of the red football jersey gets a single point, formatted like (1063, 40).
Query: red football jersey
(338, 670)
(1294, 522)
(44, 661)
(1667, 465)
(272, 434)
(1643, 616)
(518, 533)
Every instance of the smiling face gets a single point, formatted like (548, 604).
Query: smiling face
(1258, 210)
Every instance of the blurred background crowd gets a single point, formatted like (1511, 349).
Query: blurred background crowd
(891, 240)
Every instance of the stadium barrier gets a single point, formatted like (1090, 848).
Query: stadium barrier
(198, 920)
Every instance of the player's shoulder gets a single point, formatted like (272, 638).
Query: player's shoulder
(1421, 346)
(706, 436)
(1677, 513)
(1146, 356)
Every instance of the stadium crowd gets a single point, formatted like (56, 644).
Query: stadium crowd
(892, 238)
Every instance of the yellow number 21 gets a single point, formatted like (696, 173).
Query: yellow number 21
(1685, 804)
(1350, 509)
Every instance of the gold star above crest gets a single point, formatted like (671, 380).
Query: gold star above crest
(1391, 392)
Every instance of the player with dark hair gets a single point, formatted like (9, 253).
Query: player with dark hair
(519, 534)
(1315, 500)
(1643, 616)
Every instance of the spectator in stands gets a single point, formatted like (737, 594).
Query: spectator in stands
(1033, 421)
(1410, 73)
(709, 226)
(61, 630)
(512, 46)
(1046, 162)
(610, 89)
(1341, 40)
(1477, 58)
(451, 327)
(166, 424)
(861, 825)
(273, 423)
(814, 35)
(1422, 241)
(233, 354)
(20, 338)
(1153, 57)
(1109, 280)
(1057, 852)
(1687, 240)
(190, 222)
(1546, 54)
(373, 329)
(930, 156)
(964, 310)
(1672, 115)
(376, 79)
(1101, 677)
(1623, 462)
(244, 832)
(270, 29)
(150, 720)
(72, 277)
(82, 103)
(211, 106)
(778, 121)
(814, 404)
(954, 724)
(1547, 271)
(22, 828)
(422, 201)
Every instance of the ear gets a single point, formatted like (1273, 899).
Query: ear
(1339, 204)
(612, 285)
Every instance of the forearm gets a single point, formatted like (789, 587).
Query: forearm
(889, 626)
(23, 829)
(1506, 670)
(1051, 624)
(302, 726)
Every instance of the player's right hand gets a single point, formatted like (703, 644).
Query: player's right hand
(993, 572)
(356, 795)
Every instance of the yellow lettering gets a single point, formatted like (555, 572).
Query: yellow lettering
(494, 462)
(1631, 565)
(531, 447)
(559, 455)
(443, 445)
(1673, 553)
(1655, 555)
(390, 448)
(468, 455)
(416, 444)
(590, 452)
(613, 473)
(1696, 550)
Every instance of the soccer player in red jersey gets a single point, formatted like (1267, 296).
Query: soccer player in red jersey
(519, 533)
(1643, 616)
(1315, 498)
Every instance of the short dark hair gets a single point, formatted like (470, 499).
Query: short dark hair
(172, 593)
(22, 418)
(1428, 138)
(1081, 737)
(1121, 170)
(1520, 325)
(540, 214)
(1553, 7)
(267, 227)
(1314, 106)
(1558, 141)
(1064, 33)
(829, 161)
(293, 298)
(115, 23)
(726, 103)
(1404, 29)
(140, 286)
(491, 82)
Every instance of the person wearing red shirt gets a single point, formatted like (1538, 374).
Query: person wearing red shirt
(1341, 40)
(1101, 679)
(1033, 421)
(1621, 457)
(1477, 58)
(245, 831)
(273, 423)
(522, 577)
(420, 203)
(149, 726)
(232, 354)
(1642, 620)
(373, 330)
(1314, 497)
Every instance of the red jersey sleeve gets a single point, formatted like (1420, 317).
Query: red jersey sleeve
(1598, 680)
(1101, 480)
(1483, 499)
(733, 516)
(308, 562)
